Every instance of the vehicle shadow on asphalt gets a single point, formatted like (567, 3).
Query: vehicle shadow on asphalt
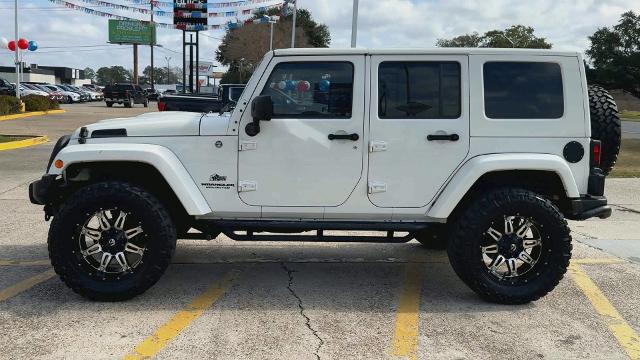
(366, 278)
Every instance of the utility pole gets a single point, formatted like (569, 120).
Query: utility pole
(153, 39)
(293, 30)
(168, 59)
(354, 24)
(17, 54)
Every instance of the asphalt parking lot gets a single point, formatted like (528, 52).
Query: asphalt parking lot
(226, 300)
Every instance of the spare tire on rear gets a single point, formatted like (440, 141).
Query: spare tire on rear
(605, 125)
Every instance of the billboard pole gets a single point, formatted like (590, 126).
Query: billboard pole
(135, 64)
(184, 61)
(197, 62)
(153, 36)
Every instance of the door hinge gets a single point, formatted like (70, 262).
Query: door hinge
(247, 145)
(244, 186)
(377, 187)
(375, 146)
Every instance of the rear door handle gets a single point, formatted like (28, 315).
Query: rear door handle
(352, 137)
(450, 137)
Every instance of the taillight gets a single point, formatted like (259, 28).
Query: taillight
(161, 105)
(596, 153)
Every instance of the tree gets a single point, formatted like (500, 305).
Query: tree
(159, 75)
(90, 74)
(615, 55)
(516, 36)
(112, 75)
(242, 48)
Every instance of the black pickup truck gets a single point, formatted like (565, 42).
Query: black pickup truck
(127, 94)
(228, 95)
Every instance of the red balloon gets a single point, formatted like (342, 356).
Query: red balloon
(12, 45)
(23, 44)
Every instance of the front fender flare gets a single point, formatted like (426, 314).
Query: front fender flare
(474, 168)
(160, 157)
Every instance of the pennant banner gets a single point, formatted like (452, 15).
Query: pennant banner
(188, 27)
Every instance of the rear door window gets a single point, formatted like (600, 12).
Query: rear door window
(523, 90)
(419, 90)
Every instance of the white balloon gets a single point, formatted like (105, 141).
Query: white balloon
(5, 42)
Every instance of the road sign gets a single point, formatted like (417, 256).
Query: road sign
(132, 32)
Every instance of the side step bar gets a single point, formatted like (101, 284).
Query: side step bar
(291, 230)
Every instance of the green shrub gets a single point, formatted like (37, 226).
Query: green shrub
(9, 105)
(37, 103)
(53, 105)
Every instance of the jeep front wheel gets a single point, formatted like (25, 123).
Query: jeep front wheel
(111, 241)
(510, 246)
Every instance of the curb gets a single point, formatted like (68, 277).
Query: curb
(23, 143)
(30, 114)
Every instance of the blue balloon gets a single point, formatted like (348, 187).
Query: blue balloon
(33, 46)
(324, 85)
(291, 85)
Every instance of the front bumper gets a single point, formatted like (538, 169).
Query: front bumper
(42, 191)
(588, 206)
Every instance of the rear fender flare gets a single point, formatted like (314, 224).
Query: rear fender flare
(467, 175)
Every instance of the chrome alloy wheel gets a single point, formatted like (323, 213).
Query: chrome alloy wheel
(511, 247)
(112, 242)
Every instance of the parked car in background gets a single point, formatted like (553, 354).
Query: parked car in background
(228, 95)
(126, 94)
(95, 95)
(84, 96)
(152, 94)
(92, 87)
(7, 88)
(25, 90)
(53, 94)
(69, 96)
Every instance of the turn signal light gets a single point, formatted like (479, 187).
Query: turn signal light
(58, 164)
(161, 106)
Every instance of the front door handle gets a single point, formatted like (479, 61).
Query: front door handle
(352, 137)
(450, 137)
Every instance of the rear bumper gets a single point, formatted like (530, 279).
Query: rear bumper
(589, 206)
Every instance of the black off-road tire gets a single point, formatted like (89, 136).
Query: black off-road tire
(435, 237)
(109, 104)
(605, 125)
(154, 218)
(465, 253)
(146, 103)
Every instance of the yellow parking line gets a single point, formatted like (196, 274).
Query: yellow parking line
(626, 336)
(11, 145)
(598, 261)
(24, 262)
(405, 339)
(180, 321)
(23, 285)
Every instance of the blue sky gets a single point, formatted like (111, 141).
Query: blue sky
(383, 23)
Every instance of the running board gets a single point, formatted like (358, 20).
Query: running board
(290, 230)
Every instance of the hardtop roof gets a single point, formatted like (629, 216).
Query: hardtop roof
(422, 51)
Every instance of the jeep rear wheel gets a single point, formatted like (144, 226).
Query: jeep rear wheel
(605, 125)
(510, 246)
(111, 241)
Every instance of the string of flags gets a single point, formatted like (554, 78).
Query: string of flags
(189, 27)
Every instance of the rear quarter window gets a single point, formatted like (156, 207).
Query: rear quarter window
(523, 90)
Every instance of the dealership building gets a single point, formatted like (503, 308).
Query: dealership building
(46, 74)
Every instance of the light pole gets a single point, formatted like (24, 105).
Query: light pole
(293, 30)
(168, 59)
(272, 20)
(153, 35)
(354, 24)
(17, 59)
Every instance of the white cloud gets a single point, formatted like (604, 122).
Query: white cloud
(383, 23)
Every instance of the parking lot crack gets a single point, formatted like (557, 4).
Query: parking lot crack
(307, 320)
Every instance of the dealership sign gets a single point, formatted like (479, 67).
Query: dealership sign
(190, 15)
(131, 32)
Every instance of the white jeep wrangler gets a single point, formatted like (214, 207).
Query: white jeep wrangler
(484, 151)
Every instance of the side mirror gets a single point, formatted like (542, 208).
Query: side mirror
(261, 110)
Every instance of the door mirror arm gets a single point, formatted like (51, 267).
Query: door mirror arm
(261, 110)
